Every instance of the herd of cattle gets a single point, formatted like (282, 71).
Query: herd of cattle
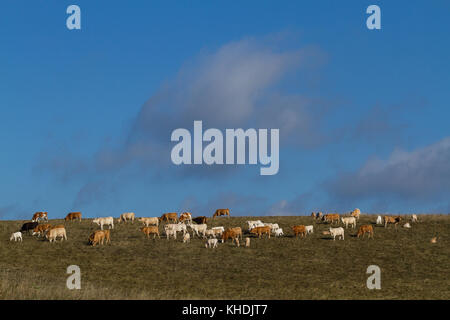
(172, 224)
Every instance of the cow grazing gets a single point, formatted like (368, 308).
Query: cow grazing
(28, 226)
(261, 230)
(151, 230)
(200, 220)
(229, 234)
(309, 229)
(414, 218)
(365, 229)
(379, 220)
(356, 213)
(279, 232)
(349, 221)
(73, 216)
(186, 238)
(127, 216)
(247, 242)
(169, 217)
(197, 229)
(392, 220)
(178, 227)
(211, 243)
(54, 233)
(41, 229)
(185, 217)
(335, 232)
(108, 221)
(16, 236)
(301, 229)
(331, 217)
(99, 237)
(149, 221)
(221, 212)
(39, 216)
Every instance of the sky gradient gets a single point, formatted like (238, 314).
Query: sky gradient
(86, 115)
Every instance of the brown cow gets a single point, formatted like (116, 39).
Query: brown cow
(395, 221)
(301, 229)
(331, 217)
(41, 229)
(200, 220)
(40, 215)
(73, 216)
(151, 230)
(222, 212)
(171, 216)
(260, 231)
(365, 228)
(185, 216)
(99, 236)
(229, 233)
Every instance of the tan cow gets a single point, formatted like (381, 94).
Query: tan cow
(331, 217)
(99, 237)
(229, 234)
(392, 220)
(365, 229)
(149, 221)
(356, 213)
(222, 212)
(127, 216)
(54, 233)
(73, 216)
(151, 230)
(168, 217)
(301, 229)
(260, 231)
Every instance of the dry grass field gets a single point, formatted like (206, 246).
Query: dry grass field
(133, 267)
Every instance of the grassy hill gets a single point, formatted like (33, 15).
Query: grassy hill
(133, 267)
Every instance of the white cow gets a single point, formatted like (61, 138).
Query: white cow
(171, 232)
(149, 221)
(211, 243)
(186, 238)
(210, 233)
(109, 221)
(254, 223)
(198, 228)
(16, 236)
(349, 221)
(219, 229)
(379, 220)
(407, 225)
(309, 229)
(337, 232)
(414, 218)
(278, 232)
(178, 227)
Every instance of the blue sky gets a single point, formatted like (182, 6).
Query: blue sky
(86, 114)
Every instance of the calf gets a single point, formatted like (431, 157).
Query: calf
(186, 238)
(301, 229)
(365, 229)
(337, 232)
(279, 232)
(356, 213)
(211, 243)
(414, 218)
(151, 230)
(309, 229)
(16, 236)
